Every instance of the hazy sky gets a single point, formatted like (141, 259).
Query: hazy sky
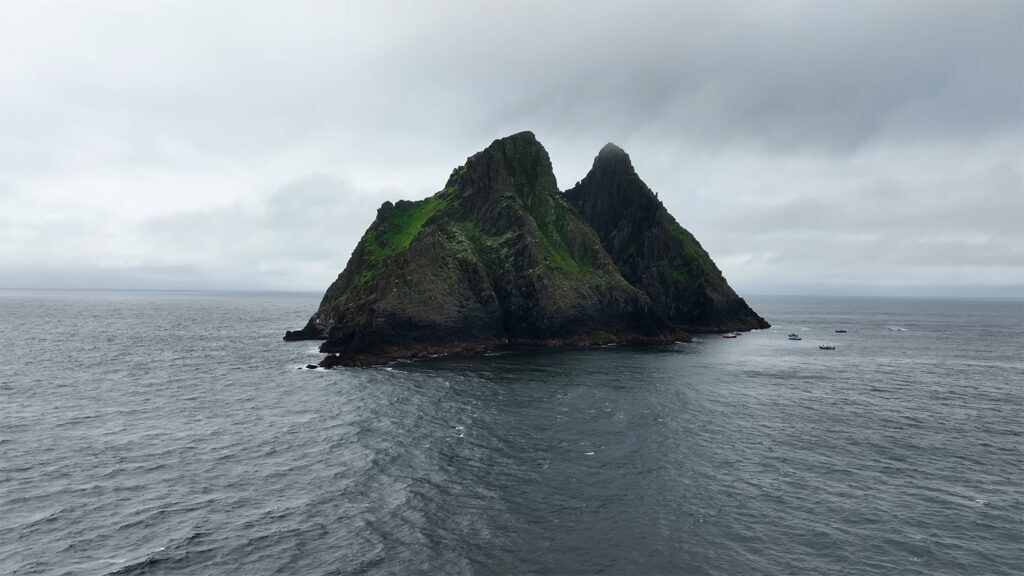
(823, 146)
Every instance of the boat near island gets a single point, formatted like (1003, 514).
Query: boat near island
(795, 336)
(730, 334)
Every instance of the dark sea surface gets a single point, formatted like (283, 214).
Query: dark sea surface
(174, 433)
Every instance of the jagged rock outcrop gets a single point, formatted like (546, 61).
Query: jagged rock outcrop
(496, 256)
(653, 252)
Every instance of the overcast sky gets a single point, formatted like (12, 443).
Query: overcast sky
(819, 146)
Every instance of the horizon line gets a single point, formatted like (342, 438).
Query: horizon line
(865, 291)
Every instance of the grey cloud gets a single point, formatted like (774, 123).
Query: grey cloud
(793, 75)
(902, 122)
(789, 74)
(142, 277)
(301, 235)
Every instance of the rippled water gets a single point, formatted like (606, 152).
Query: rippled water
(153, 433)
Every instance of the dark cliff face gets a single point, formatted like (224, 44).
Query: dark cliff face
(497, 256)
(653, 252)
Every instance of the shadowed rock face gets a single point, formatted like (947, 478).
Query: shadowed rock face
(496, 256)
(653, 252)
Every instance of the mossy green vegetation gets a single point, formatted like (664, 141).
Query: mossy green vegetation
(691, 247)
(392, 232)
(397, 231)
(679, 274)
(551, 222)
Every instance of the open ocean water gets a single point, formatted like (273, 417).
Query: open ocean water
(174, 433)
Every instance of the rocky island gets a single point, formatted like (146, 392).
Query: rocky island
(501, 256)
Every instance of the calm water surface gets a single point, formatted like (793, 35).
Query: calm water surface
(174, 433)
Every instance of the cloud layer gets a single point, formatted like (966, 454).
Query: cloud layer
(247, 145)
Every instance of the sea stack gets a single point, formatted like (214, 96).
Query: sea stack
(500, 256)
(653, 252)
(497, 256)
